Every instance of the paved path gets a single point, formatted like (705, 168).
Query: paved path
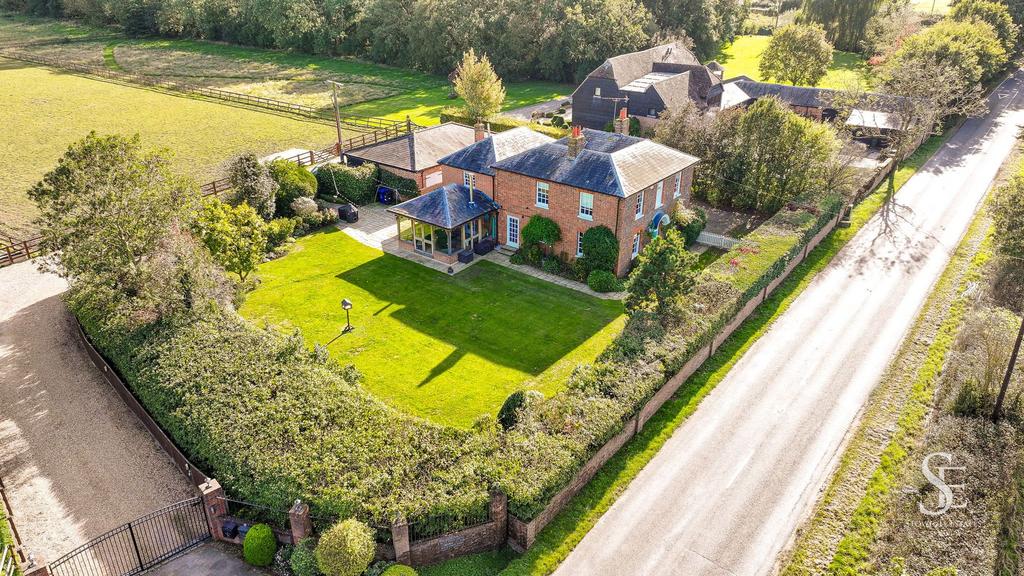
(75, 461)
(726, 492)
(210, 559)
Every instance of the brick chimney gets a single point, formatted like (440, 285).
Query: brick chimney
(622, 123)
(479, 133)
(576, 142)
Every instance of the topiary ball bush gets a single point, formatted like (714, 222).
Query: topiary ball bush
(346, 549)
(259, 546)
(604, 281)
(303, 560)
(507, 416)
(541, 230)
(399, 570)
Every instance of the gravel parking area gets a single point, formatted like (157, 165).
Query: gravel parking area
(76, 462)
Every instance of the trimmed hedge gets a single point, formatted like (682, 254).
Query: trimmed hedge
(501, 123)
(406, 187)
(559, 434)
(272, 419)
(356, 184)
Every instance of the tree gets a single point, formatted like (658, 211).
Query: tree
(600, 250)
(992, 13)
(844, 21)
(971, 49)
(1007, 209)
(760, 158)
(707, 22)
(662, 275)
(797, 54)
(111, 216)
(478, 85)
(253, 185)
(895, 20)
(234, 235)
(346, 549)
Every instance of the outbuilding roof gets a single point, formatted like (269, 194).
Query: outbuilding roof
(447, 207)
(418, 150)
(609, 163)
(480, 156)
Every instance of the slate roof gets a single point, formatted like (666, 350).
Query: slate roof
(447, 206)
(742, 90)
(612, 164)
(419, 150)
(479, 156)
(626, 68)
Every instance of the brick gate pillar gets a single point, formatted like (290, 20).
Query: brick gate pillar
(301, 523)
(400, 538)
(215, 505)
(499, 515)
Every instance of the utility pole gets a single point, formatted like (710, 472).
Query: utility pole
(337, 112)
(1009, 373)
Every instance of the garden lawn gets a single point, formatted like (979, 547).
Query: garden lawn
(42, 111)
(447, 348)
(743, 56)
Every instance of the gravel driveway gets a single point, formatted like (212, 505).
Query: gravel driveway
(76, 462)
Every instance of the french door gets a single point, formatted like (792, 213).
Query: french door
(512, 230)
(423, 237)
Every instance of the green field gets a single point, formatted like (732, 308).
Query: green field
(743, 56)
(43, 111)
(447, 348)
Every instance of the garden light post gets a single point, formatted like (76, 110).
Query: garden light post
(346, 305)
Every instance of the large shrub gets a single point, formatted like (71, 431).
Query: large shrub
(346, 549)
(600, 249)
(341, 183)
(691, 222)
(293, 182)
(259, 546)
(303, 560)
(603, 281)
(507, 415)
(541, 230)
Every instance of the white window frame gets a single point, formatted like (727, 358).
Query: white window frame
(658, 193)
(679, 186)
(636, 245)
(579, 244)
(586, 209)
(639, 211)
(468, 179)
(545, 189)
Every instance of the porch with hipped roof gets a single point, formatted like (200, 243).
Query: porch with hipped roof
(447, 221)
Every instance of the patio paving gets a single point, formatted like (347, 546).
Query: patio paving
(376, 229)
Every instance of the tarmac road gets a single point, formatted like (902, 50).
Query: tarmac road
(727, 491)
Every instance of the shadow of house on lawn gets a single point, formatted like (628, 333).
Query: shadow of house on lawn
(487, 311)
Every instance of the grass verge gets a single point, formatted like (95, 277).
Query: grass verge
(558, 539)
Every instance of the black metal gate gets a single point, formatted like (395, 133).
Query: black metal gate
(139, 544)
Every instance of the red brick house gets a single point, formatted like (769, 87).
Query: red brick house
(593, 178)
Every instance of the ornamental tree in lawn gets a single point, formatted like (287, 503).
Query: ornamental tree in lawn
(478, 85)
(235, 236)
(798, 54)
(662, 276)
